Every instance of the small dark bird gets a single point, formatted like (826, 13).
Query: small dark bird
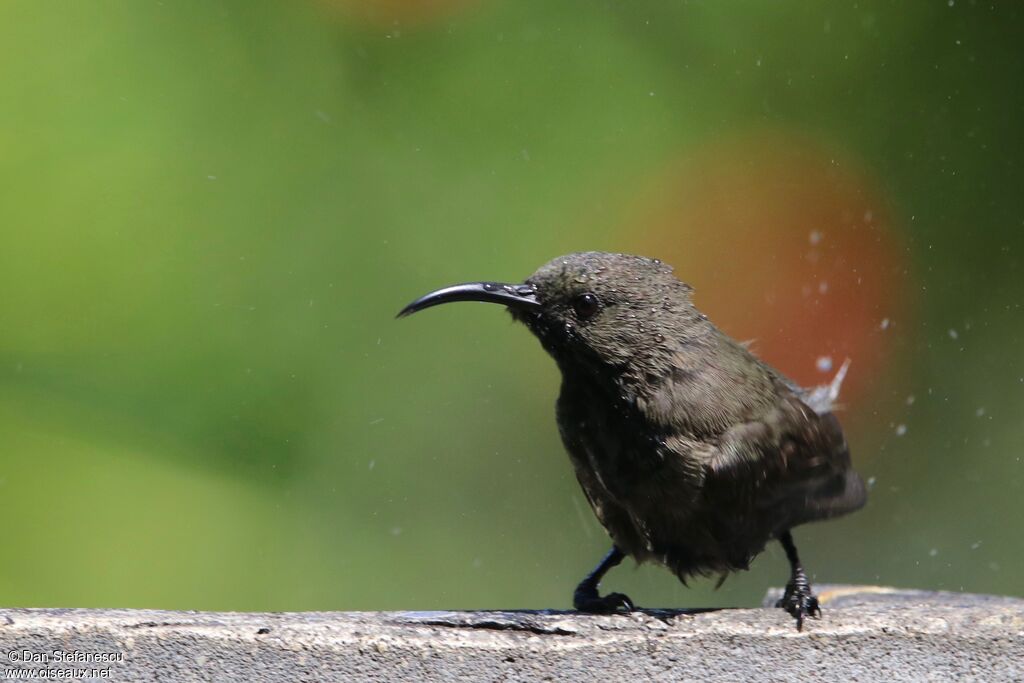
(692, 452)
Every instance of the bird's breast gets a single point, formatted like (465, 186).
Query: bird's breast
(606, 437)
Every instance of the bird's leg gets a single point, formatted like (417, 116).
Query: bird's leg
(586, 597)
(798, 599)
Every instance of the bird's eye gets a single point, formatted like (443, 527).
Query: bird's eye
(586, 306)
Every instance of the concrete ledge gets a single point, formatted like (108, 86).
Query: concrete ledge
(866, 634)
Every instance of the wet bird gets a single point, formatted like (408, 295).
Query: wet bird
(692, 452)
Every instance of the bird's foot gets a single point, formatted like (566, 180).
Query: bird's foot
(799, 601)
(613, 603)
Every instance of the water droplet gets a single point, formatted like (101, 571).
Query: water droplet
(953, 334)
(884, 324)
(815, 237)
(659, 337)
(901, 429)
(824, 363)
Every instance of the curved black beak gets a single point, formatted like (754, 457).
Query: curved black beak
(521, 297)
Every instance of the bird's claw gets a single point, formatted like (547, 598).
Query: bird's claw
(800, 602)
(613, 603)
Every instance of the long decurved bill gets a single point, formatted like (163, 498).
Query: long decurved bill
(522, 297)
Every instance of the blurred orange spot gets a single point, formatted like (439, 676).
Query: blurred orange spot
(390, 12)
(790, 246)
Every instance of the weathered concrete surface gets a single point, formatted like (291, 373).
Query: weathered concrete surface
(866, 634)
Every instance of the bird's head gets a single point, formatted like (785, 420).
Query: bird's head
(591, 309)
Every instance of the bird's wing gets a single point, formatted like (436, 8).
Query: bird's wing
(764, 442)
(791, 461)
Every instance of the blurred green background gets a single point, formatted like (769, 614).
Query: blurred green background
(211, 211)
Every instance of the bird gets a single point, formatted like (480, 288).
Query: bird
(692, 452)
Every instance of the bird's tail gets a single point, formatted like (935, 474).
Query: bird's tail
(822, 398)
